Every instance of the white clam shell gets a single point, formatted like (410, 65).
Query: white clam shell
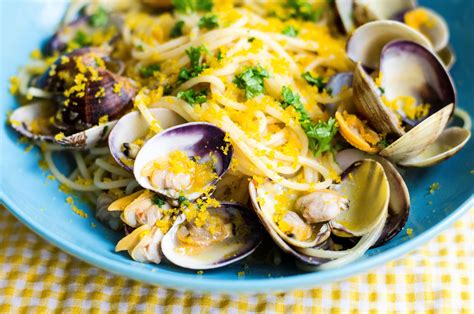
(22, 118)
(133, 126)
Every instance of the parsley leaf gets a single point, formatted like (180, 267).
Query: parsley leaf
(148, 71)
(290, 31)
(251, 80)
(208, 21)
(301, 9)
(82, 39)
(190, 6)
(382, 90)
(193, 97)
(100, 18)
(314, 81)
(158, 200)
(182, 200)
(220, 55)
(319, 134)
(177, 29)
(196, 67)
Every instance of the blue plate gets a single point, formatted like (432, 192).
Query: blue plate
(39, 204)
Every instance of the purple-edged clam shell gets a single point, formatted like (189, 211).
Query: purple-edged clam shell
(336, 83)
(409, 69)
(133, 126)
(245, 239)
(196, 139)
(59, 40)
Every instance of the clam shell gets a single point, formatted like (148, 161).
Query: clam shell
(418, 138)
(133, 126)
(383, 10)
(344, 9)
(448, 56)
(276, 237)
(367, 41)
(366, 186)
(368, 103)
(446, 145)
(232, 249)
(266, 211)
(22, 118)
(438, 33)
(197, 139)
(399, 202)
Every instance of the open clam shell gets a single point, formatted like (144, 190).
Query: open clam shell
(367, 41)
(427, 82)
(366, 186)
(435, 29)
(345, 11)
(399, 202)
(446, 145)
(132, 127)
(243, 237)
(263, 199)
(271, 228)
(200, 141)
(381, 10)
(24, 118)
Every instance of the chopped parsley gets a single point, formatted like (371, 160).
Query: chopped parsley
(382, 90)
(196, 66)
(82, 39)
(301, 9)
(290, 31)
(177, 29)
(220, 55)
(319, 134)
(190, 6)
(193, 97)
(100, 18)
(149, 70)
(251, 80)
(208, 21)
(314, 81)
(383, 143)
(158, 200)
(182, 200)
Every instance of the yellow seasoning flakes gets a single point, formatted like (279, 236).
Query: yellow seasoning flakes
(14, 85)
(409, 231)
(59, 136)
(100, 92)
(118, 88)
(433, 187)
(103, 120)
(74, 208)
(418, 19)
(36, 54)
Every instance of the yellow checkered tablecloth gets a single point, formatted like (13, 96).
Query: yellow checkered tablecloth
(36, 277)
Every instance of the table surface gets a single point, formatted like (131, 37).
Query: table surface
(37, 277)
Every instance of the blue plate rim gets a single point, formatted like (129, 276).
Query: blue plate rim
(190, 282)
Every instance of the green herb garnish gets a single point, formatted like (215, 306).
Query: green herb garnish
(193, 97)
(177, 29)
(158, 200)
(149, 70)
(190, 6)
(319, 134)
(100, 18)
(251, 80)
(314, 81)
(82, 39)
(196, 66)
(208, 22)
(301, 9)
(290, 31)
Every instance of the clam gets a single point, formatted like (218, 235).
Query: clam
(399, 202)
(412, 107)
(228, 235)
(369, 10)
(140, 208)
(80, 31)
(133, 128)
(85, 97)
(446, 145)
(183, 161)
(143, 244)
(336, 84)
(355, 207)
(366, 43)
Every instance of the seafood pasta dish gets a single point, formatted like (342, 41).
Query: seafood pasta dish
(199, 128)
